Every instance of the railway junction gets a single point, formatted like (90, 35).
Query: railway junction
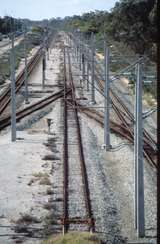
(77, 154)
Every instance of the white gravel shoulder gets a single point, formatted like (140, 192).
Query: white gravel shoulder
(22, 164)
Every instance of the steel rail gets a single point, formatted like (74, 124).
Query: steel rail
(129, 114)
(65, 155)
(114, 96)
(115, 127)
(66, 220)
(151, 145)
(6, 120)
(81, 154)
(5, 97)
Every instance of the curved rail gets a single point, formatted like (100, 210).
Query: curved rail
(6, 120)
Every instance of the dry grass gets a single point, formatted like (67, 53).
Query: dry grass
(148, 97)
(73, 238)
(45, 181)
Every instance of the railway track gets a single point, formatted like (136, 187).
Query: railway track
(127, 118)
(6, 120)
(124, 115)
(118, 129)
(5, 97)
(77, 208)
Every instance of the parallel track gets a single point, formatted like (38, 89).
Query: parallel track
(125, 116)
(150, 145)
(118, 129)
(5, 97)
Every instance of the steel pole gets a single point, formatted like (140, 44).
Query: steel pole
(47, 42)
(70, 40)
(135, 153)
(13, 92)
(80, 55)
(75, 48)
(83, 67)
(93, 71)
(77, 52)
(26, 72)
(87, 76)
(80, 64)
(88, 59)
(43, 69)
(140, 173)
(107, 98)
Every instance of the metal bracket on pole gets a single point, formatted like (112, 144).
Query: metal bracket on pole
(93, 71)
(107, 98)
(13, 92)
(139, 157)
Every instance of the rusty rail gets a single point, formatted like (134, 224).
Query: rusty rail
(66, 220)
(6, 120)
(5, 97)
(151, 144)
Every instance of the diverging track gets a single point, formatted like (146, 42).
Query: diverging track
(124, 116)
(6, 120)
